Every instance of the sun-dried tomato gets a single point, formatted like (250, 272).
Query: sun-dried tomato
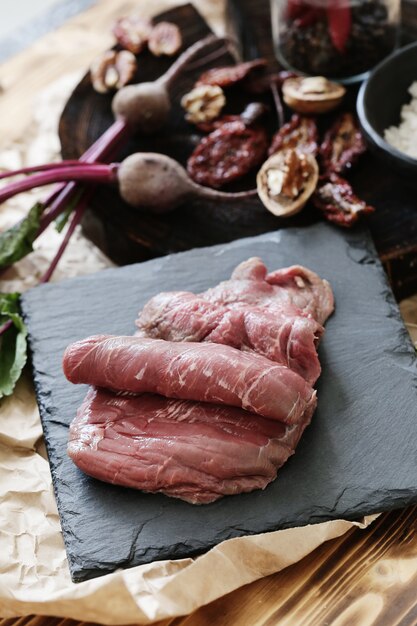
(300, 133)
(227, 154)
(209, 127)
(342, 145)
(251, 114)
(230, 75)
(335, 197)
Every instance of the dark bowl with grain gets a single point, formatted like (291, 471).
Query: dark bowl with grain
(379, 104)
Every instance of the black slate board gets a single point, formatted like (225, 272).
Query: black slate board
(357, 457)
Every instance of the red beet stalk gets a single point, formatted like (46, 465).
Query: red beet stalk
(105, 146)
(76, 219)
(96, 173)
(42, 168)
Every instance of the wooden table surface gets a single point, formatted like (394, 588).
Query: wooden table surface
(367, 577)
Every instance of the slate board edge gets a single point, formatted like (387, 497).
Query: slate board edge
(358, 239)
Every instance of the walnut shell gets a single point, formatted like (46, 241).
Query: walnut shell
(278, 203)
(312, 95)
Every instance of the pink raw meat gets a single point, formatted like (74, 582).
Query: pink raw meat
(205, 372)
(195, 448)
(189, 450)
(183, 316)
(295, 289)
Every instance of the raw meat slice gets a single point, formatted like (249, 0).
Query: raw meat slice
(305, 289)
(195, 448)
(183, 316)
(189, 450)
(205, 372)
(294, 289)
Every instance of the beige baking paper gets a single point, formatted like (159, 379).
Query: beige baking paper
(34, 575)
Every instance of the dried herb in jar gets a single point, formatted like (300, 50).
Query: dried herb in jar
(339, 39)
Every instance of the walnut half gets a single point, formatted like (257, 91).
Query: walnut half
(112, 70)
(286, 181)
(165, 39)
(203, 103)
(132, 33)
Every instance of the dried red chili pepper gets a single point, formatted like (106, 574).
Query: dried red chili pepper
(294, 9)
(228, 76)
(310, 16)
(342, 144)
(339, 18)
(300, 133)
(227, 154)
(335, 197)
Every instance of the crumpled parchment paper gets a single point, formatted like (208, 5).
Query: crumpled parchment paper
(34, 576)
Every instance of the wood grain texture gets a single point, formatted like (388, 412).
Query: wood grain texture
(365, 578)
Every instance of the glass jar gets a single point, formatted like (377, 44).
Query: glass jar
(339, 39)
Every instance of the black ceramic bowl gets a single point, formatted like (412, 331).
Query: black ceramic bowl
(379, 104)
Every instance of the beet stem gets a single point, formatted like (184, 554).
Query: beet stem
(79, 212)
(76, 219)
(183, 60)
(41, 168)
(93, 173)
(102, 149)
(209, 58)
(208, 192)
(111, 138)
(65, 191)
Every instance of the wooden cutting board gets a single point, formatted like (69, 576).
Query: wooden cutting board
(357, 457)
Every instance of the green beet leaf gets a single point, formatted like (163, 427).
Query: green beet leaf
(16, 242)
(63, 218)
(13, 344)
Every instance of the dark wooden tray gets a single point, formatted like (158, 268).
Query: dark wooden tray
(129, 235)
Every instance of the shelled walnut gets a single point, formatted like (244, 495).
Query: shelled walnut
(132, 33)
(203, 103)
(165, 39)
(112, 70)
